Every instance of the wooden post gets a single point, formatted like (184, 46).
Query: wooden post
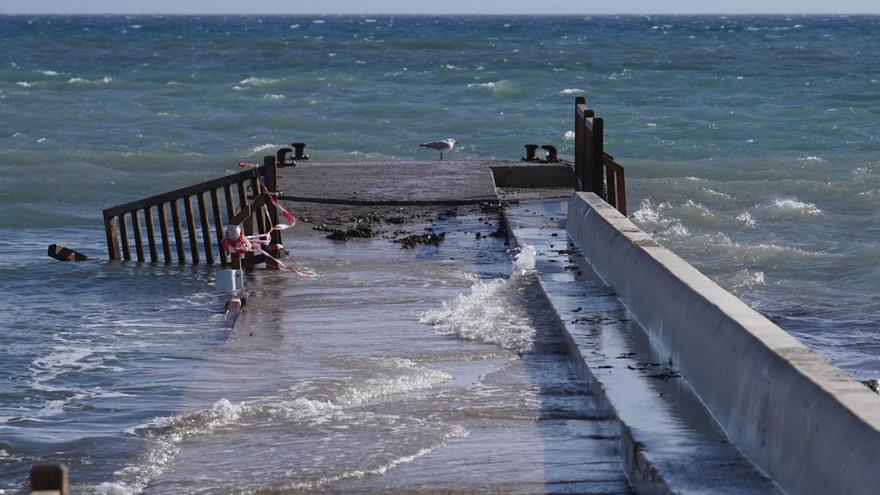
(123, 237)
(178, 233)
(206, 229)
(151, 234)
(596, 175)
(163, 230)
(248, 225)
(112, 231)
(612, 190)
(579, 144)
(138, 236)
(270, 176)
(49, 478)
(621, 193)
(218, 224)
(191, 229)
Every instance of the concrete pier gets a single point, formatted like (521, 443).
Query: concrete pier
(646, 377)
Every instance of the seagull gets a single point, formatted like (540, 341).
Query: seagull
(443, 146)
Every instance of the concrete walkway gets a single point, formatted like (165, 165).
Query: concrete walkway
(669, 440)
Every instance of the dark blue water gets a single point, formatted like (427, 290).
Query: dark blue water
(751, 145)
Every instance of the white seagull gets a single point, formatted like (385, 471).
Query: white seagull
(443, 146)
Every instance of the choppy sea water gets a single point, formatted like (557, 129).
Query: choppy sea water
(751, 147)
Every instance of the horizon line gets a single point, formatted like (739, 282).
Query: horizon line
(414, 14)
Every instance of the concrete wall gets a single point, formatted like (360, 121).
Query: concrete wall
(805, 422)
(531, 175)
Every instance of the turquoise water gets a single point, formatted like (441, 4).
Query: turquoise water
(751, 145)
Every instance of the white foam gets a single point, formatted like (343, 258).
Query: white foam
(489, 313)
(747, 219)
(274, 97)
(572, 91)
(647, 213)
(568, 136)
(794, 205)
(24, 84)
(80, 80)
(391, 376)
(258, 81)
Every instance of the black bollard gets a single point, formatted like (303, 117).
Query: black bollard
(552, 157)
(530, 153)
(300, 151)
(283, 158)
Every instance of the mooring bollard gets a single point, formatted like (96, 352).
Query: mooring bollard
(49, 479)
(283, 158)
(552, 157)
(530, 153)
(299, 151)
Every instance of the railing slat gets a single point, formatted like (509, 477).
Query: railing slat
(621, 192)
(178, 233)
(138, 238)
(123, 236)
(609, 183)
(206, 229)
(191, 229)
(112, 231)
(163, 230)
(218, 224)
(248, 225)
(230, 206)
(151, 235)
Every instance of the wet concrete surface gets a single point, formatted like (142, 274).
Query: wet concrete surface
(337, 385)
(669, 440)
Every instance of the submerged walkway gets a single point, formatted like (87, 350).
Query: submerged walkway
(423, 359)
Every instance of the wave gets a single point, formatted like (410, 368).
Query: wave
(491, 312)
(389, 376)
(572, 91)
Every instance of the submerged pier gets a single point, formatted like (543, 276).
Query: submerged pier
(489, 326)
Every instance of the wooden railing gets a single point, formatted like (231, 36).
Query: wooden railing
(213, 198)
(595, 171)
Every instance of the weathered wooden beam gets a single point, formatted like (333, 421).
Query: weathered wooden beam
(247, 224)
(112, 231)
(123, 237)
(218, 224)
(163, 231)
(191, 229)
(151, 235)
(179, 193)
(270, 177)
(178, 233)
(206, 229)
(62, 253)
(138, 235)
(248, 211)
(230, 205)
(49, 478)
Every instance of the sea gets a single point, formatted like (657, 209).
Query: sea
(751, 146)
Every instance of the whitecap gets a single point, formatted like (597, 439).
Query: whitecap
(646, 213)
(24, 84)
(490, 312)
(318, 21)
(568, 136)
(572, 91)
(794, 205)
(258, 81)
(274, 97)
(294, 26)
(747, 219)
(49, 73)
